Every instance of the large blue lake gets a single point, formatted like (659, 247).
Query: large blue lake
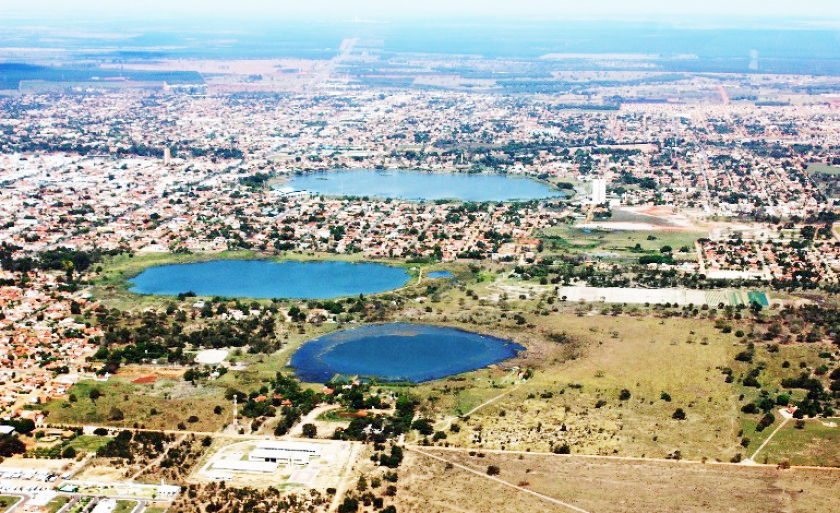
(269, 279)
(422, 185)
(399, 352)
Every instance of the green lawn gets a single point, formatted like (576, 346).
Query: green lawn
(815, 444)
(571, 239)
(7, 501)
(56, 504)
(89, 443)
(821, 168)
(125, 506)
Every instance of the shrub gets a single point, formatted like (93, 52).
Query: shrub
(493, 470)
(562, 449)
(679, 414)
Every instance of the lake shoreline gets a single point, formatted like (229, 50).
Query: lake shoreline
(532, 187)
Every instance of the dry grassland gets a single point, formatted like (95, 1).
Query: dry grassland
(609, 485)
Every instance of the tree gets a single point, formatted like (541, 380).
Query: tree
(624, 395)
(94, 394)
(116, 414)
(493, 470)
(22, 426)
(10, 444)
(679, 414)
(310, 431)
(562, 449)
(69, 452)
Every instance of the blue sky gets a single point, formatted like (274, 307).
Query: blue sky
(686, 10)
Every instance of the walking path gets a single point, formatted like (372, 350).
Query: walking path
(751, 459)
(500, 481)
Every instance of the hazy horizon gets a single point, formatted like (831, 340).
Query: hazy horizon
(714, 13)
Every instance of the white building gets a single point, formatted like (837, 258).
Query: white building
(599, 191)
(105, 506)
(289, 192)
(299, 453)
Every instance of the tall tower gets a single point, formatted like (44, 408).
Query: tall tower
(599, 191)
(235, 414)
(167, 156)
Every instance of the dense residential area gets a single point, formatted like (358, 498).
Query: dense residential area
(326, 267)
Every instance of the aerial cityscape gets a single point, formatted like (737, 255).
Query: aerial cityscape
(258, 259)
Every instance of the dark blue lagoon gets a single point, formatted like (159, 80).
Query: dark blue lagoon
(269, 279)
(399, 352)
(422, 185)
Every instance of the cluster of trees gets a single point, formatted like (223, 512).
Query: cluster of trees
(127, 445)
(22, 426)
(11, 445)
(133, 338)
(60, 259)
(381, 428)
(218, 498)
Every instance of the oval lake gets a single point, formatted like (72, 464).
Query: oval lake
(423, 185)
(399, 352)
(262, 279)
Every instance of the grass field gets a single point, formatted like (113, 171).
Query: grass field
(56, 504)
(817, 443)
(574, 395)
(822, 168)
(570, 239)
(7, 501)
(89, 443)
(162, 405)
(124, 506)
(608, 485)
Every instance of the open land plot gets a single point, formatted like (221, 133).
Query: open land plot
(817, 442)
(621, 243)
(36, 464)
(822, 168)
(56, 504)
(102, 470)
(777, 363)
(163, 404)
(124, 506)
(574, 396)
(582, 362)
(609, 485)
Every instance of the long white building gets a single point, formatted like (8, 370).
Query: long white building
(270, 451)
